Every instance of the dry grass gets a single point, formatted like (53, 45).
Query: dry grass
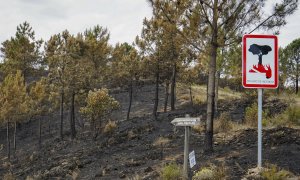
(6, 165)
(171, 172)
(161, 141)
(211, 172)
(131, 135)
(272, 172)
(110, 127)
(135, 177)
(199, 93)
(199, 128)
(9, 176)
(223, 123)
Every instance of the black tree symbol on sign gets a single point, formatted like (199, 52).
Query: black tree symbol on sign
(260, 51)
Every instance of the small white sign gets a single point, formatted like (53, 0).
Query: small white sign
(186, 121)
(192, 159)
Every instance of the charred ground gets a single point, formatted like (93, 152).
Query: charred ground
(141, 146)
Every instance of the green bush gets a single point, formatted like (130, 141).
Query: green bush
(251, 115)
(290, 117)
(274, 173)
(294, 114)
(211, 173)
(171, 172)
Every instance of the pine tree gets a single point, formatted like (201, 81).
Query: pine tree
(97, 51)
(68, 70)
(291, 62)
(22, 52)
(39, 103)
(126, 69)
(99, 105)
(13, 103)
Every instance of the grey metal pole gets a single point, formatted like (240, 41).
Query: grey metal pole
(186, 152)
(259, 129)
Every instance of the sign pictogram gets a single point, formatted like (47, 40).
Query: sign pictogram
(260, 61)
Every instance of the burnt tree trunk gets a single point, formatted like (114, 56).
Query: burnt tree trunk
(191, 95)
(8, 140)
(166, 96)
(297, 76)
(49, 125)
(72, 116)
(130, 100)
(173, 86)
(40, 132)
(15, 137)
(156, 91)
(62, 114)
(93, 128)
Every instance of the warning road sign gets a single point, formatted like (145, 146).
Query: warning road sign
(260, 61)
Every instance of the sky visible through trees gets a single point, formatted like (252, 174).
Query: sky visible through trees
(122, 18)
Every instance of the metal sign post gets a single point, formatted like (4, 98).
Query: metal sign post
(187, 122)
(260, 70)
(259, 128)
(186, 150)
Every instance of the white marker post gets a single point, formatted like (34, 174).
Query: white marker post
(259, 128)
(260, 70)
(187, 122)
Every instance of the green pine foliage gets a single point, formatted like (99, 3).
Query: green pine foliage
(13, 98)
(99, 105)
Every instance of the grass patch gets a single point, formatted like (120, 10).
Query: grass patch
(290, 117)
(171, 172)
(199, 93)
(223, 123)
(274, 173)
(251, 115)
(9, 176)
(161, 141)
(211, 172)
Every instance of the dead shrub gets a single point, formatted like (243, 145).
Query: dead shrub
(273, 172)
(223, 123)
(9, 176)
(161, 141)
(110, 127)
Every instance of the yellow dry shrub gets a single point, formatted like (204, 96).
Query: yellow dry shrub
(110, 127)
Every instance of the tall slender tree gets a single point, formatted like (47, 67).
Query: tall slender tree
(291, 62)
(39, 103)
(13, 103)
(126, 69)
